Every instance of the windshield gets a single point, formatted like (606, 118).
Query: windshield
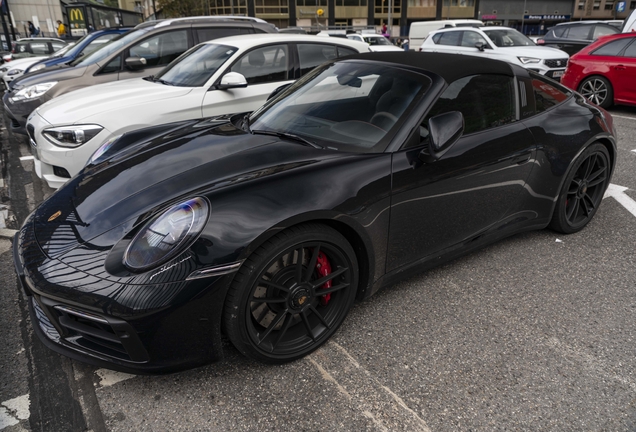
(376, 40)
(63, 50)
(194, 68)
(349, 106)
(109, 48)
(508, 38)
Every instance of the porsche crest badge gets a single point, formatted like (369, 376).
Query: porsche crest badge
(55, 215)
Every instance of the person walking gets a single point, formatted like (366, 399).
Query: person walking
(61, 29)
(32, 29)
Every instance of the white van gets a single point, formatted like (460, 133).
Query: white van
(630, 23)
(420, 30)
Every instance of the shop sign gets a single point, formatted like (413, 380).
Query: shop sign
(548, 17)
(620, 6)
(488, 17)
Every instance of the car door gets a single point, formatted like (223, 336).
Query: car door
(624, 71)
(157, 51)
(474, 187)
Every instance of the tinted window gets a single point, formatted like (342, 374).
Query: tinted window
(612, 48)
(206, 34)
(630, 51)
(448, 38)
(578, 32)
(264, 65)
(113, 66)
(346, 51)
(112, 47)
(486, 101)
(40, 48)
(559, 31)
(197, 65)
(546, 94)
(161, 49)
(470, 38)
(312, 55)
(603, 30)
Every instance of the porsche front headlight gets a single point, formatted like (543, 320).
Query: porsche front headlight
(167, 235)
(71, 136)
(32, 92)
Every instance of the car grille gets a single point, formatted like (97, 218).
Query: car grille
(110, 337)
(556, 63)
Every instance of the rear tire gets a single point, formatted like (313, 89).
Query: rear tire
(597, 90)
(277, 308)
(583, 190)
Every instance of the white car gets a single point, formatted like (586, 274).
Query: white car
(15, 69)
(229, 75)
(501, 43)
(377, 42)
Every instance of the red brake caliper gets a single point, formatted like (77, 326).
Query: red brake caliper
(323, 267)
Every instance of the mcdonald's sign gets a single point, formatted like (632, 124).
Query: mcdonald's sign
(76, 20)
(76, 15)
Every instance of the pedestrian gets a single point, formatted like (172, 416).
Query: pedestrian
(384, 29)
(405, 44)
(61, 29)
(32, 29)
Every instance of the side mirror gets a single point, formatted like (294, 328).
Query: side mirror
(232, 80)
(480, 46)
(444, 130)
(278, 90)
(136, 63)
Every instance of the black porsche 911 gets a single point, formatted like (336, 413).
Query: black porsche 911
(267, 227)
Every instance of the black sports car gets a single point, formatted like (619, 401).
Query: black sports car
(268, 226)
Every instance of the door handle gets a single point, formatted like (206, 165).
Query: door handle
(620, 67)
(520, 160)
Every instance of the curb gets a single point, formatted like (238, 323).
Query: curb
(7, 233)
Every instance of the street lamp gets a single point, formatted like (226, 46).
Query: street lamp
(523, 15)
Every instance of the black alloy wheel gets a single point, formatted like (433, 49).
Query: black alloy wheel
(291, 294)
(597, 90)
(582, 190)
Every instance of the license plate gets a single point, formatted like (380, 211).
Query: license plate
(557, 74)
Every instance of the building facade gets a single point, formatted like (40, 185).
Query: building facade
(603, 9)
(536, 16)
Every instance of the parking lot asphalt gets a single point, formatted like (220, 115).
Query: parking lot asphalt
(533, 333)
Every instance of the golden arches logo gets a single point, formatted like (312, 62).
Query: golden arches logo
(76, 15)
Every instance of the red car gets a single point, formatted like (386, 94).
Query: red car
(605, 71)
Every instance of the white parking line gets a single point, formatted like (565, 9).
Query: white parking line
(108, 377)
(625, 117)
(14, 410)
(618, 193)
(634, 151)
(23, 158)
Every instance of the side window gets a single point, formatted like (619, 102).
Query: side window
(264, 65)
(559, 31)
(40, 48)
(206, 34)
(486, 101)
(161, 49)
(613, 48)
(448, 38)
(631, 50)
(580, 32)
(602, 31)
(546, 94)
(470, 38)
(346, 51)
(113, 66)
(312, 55)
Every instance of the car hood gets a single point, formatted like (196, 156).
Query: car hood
(544, 53)
(23, 63)
(47, 75)
(75, 106)
(194, 159)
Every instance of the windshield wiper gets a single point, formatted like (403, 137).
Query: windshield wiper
(287, 136)
(159, 80)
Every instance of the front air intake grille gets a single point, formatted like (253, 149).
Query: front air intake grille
(60, 172)
(557, 63)
(15, 124)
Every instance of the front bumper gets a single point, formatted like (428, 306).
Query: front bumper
(19, 112)
(77, 315)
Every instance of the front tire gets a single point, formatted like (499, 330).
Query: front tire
(280, 307)
(597, 90)
(583, 190)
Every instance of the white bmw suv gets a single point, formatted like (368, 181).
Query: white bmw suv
(501, 43)
(225, 76)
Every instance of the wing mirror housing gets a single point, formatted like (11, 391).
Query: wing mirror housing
(136, 63)
(278, 90)
(480, 46)
(444, 130)
(232, 80)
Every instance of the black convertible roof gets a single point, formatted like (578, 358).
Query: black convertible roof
(451, 67)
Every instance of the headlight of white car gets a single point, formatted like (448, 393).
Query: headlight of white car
(37, 68)
(71, 136)
(526, 60)
(14, 72)
(32, 92)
